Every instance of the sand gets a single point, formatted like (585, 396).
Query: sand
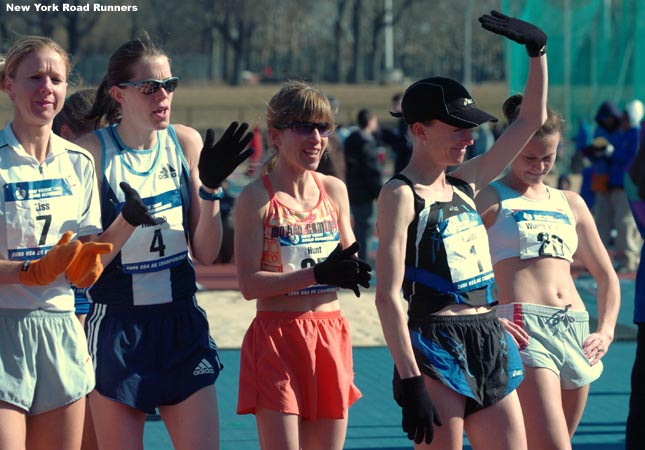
(229, 316)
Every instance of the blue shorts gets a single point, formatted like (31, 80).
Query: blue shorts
(146, 356)
(472, 355)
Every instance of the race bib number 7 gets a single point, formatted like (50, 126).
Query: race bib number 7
(37, 213)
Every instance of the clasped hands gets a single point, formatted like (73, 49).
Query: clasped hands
(343, 269)
(80, 261)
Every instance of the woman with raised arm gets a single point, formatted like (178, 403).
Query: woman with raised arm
(455, 366)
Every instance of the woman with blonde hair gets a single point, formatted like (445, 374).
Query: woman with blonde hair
(294, 248)
(49, 190)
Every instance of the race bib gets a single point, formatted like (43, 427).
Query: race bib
(300, 251)
(543, 233)
(152, 248)
(37, 213)
(467, 251)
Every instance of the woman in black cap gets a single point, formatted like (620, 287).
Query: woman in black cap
(433, 245)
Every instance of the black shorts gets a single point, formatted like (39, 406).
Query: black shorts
(472, 355)
(146, 356)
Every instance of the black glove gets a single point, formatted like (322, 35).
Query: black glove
(517, 30)
(343, 269)
(217, 161)
(134, 211)
(419, 413)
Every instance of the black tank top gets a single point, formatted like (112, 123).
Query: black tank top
(447, 259)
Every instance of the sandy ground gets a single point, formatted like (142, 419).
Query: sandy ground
(229, 316)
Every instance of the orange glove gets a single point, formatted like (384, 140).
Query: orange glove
(43, 271)
(86, 268)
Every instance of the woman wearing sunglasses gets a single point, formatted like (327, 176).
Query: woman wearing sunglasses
(294, 247)
(451, 349)
(147, 335)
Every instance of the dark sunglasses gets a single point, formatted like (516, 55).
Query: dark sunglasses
(306, 128)
(151, 86)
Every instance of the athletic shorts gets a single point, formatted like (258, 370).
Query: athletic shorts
(472, 355)
(298, 363)
(44, 362)
(556, 341)
(152, 355)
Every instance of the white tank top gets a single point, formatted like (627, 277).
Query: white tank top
(528, 228)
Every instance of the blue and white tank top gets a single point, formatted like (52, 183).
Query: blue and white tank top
(525, 228)
(447, 259)
(39, 202)
(154, 265)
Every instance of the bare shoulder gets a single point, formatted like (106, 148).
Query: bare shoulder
(332, 184)
(91, 143)
(189, 138)
(487, 201)
(253, 197)
(575, 201)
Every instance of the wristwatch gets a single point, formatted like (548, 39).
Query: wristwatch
(218, 194)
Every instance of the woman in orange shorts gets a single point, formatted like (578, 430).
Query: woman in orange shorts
(293, 252)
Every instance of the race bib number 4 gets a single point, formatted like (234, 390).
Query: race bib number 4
(157, 247)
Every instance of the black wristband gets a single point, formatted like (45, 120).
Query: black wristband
(25, 266)
(536, 53)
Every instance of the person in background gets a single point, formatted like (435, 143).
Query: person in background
(49, 190)
(534, 231)
(333, 160)
(452, 351)
(635, 190)
(294, 248)
(148, 336)
(397, 138)
(363, 176)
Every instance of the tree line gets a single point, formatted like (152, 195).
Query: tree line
(331, 40)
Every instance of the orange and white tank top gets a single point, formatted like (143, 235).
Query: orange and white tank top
(295, 240)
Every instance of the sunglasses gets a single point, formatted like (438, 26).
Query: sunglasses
(148, 87)
(306, 128)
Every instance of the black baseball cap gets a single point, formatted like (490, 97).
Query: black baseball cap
(441, 99)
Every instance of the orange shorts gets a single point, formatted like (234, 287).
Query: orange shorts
(298, 363)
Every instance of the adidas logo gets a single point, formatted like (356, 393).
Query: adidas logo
(167, 171)
(203, 367)
(517, 373)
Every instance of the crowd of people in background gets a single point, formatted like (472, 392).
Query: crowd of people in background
(108, 204)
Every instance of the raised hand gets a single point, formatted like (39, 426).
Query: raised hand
(219, 159)
(517, 30)
(41, 272)
(134, 211)
(87, 267)
(343, 269)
